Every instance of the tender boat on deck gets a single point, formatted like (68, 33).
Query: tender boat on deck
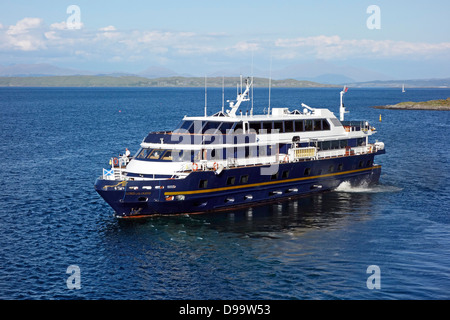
(226, 160)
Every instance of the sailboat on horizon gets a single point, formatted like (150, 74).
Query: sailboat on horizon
(403, 88)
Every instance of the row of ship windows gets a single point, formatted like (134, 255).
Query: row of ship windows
(285, 126)
(203, 183)
(188, 155)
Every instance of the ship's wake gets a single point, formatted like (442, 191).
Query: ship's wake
(364, 187)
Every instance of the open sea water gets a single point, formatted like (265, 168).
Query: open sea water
(55, 142)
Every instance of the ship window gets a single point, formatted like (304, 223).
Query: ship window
(197, 155)
(289, 126)
(181, 155)
(299, 125)
(335, 144)
(196, 126)
(369, 163)
(230, 181)
(361, 164)
(203, 184)
(307, 171)
(271, 150)
(325, 125)
(167, 155)
(278, 125)
(143, 153)
(308, 125)
(340, 167)
(211, 127)
(274, 176)
(336, 122)
(326, 145)
(343, 143)
(285, 174)
(331, 168)
(244, 178)
(238, 126)
(352, 143)
(155, 154)
(267, 126)
(225, 126)
(317, 125)
(255, 126)
(361, 141)
(186, 125)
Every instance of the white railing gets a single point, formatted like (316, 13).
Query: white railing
(331, 153)
(118, 167)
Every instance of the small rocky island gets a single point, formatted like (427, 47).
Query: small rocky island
(443, 104)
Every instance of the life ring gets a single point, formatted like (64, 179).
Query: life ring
(215, 166)
(194, 167)
(115, 161)
(286, 158)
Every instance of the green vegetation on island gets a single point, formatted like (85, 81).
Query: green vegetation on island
(135, 81)
(441, 104)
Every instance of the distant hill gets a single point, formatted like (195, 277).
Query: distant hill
(74, 81)
(330, 78)
(38, 69)
(313, 74)
(135, 81)
(420, 83)
(157, 72)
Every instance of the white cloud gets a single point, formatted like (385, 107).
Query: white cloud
(333, 47)
(25, 35)
(110, 44)
(246, 46)
(108, 28)
(59, 25)
(24, 26)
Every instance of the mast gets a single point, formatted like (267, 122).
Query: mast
(270, 82)
(241, 83)
(342, 110)
(223, 92)
(206, 99)
(240, 98)
(251, 110)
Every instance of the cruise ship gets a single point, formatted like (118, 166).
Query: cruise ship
(229, 160)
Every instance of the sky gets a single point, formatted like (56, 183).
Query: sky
(372, 39)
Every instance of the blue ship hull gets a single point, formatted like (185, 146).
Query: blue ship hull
(204, 191)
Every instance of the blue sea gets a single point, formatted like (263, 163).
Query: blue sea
(337, 245)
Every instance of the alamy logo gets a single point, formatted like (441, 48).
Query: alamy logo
(374, 280)
(74, 20)
(374, 21)
(74, 280)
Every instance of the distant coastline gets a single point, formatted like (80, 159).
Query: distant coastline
(136, 81)
(178, 81)
(442, 104)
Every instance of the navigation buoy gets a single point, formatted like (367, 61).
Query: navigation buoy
(380, 117)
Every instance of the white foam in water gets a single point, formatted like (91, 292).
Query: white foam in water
(345, 186)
